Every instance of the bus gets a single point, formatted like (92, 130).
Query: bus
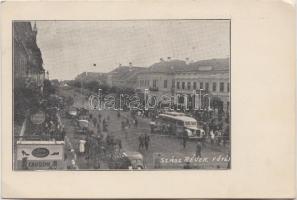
(178, 125)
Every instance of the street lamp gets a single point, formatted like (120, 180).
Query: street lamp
(99, 99)
(200, 90)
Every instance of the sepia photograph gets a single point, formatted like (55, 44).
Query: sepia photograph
(122, 95)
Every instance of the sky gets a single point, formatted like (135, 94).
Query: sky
(71, 47)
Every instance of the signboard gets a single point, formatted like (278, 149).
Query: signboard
(38, 118)
(34, 155)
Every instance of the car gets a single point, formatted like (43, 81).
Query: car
(72, 113)
(127, 160)
(195, 133)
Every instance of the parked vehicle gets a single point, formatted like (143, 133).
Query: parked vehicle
(72, 113)
(127, 160)
(177, 125)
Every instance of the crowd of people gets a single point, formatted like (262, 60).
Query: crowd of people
(50, 129)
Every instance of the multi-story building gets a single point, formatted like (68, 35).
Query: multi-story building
(173, 77)
(27, 59)
(124, 76)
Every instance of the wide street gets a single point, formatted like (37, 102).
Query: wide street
(170, 148)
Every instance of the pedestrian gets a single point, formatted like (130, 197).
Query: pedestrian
(141, 142)
(95, 121)
(105, 128)
(120, 143)
(135, 123)
(184, 137)
(212, 137)
(152, 128)
(126, 132)
(119, 114)
(86, 148)
(157, 161)
(146, 141)
(198, 149)
(219, 137)
(224, 138)
(128, 123)
(98, 128)
(187, 165)
(63, 133)
(123, 125)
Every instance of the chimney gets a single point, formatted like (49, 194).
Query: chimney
(168, 58)
(130, 64)
(120, 65)
(161, 60)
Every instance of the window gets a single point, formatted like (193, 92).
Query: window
(194, 85)
(172, 84)
(189, 85)
(155, 83)
(165, 83)
(201, 85)
(206, 86)
(146, 83)
(228, 87)
(221, 86)
(214, 87)
(183, 85)
(177, 85)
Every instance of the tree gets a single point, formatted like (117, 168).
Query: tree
(25, 99)
(48, 88)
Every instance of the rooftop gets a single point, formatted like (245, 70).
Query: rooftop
(173, 66)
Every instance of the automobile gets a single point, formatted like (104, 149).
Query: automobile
(195, 133)
(127, 160)
(72, 113)
(83, 126)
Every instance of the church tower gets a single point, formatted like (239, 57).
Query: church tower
(34, 31)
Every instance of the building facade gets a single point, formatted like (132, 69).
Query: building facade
(27, 59)
(208, 77)
(124, 76)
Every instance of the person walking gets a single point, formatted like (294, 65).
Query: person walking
(128, 123)
(126, 131)
(146, 141)
(198, 149)
(123, 125)
(141, 142)
(98, 128)
(95, 121)
(184, 138)
(135, 122)
(212, 137)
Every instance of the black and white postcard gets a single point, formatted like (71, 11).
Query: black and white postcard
(194, 99)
